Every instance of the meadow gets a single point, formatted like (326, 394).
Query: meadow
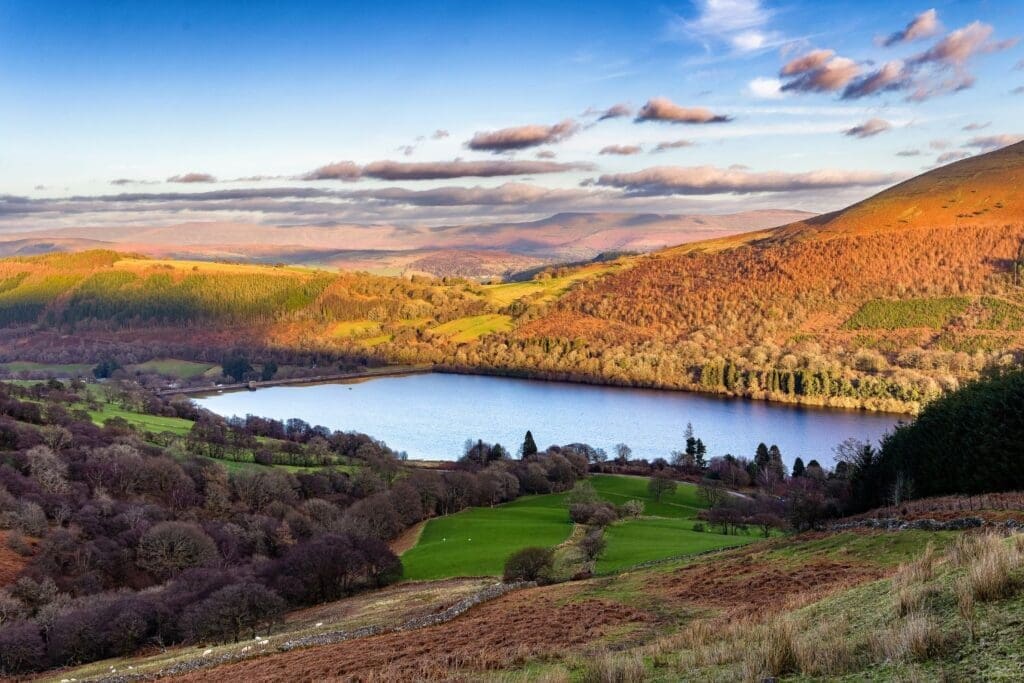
(476, 542)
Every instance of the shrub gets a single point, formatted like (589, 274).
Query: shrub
(21, 649)
(609, 668)
(990, 573)
(593, 544)
(529, 564)
(632, 508)
(916, 638)
(699, 527)
(773, 651)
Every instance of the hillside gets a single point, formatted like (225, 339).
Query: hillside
(478, 250)
(846, 311)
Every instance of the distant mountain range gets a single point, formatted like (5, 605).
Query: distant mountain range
(473, 250)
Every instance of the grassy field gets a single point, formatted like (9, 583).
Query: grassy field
(891, 314)
(474, 327)
(632, 542)
(148, 423)
(475, 542)
(182, 369)
(545, 289)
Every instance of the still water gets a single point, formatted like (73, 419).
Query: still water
(430, 416)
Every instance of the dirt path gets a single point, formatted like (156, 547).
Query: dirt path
(408, 538)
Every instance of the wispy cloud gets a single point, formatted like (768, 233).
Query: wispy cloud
(438, 170)
(868, 129)
(672, 144)
(703, 180)
(765, 88)
(621, 150)
(521, 137)
(192, 178)
(741, 25)
(818, 71)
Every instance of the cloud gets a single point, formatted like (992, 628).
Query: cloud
(890, 76)
(924, 25)
(1019, 66)
(506, 194)
(339, 170)
(868, 129)
(439, 134)
(960, 45)
(974, 125)
(615, 111)
(940, 144)
(521, 137)
(621, 150)
(545, 154)
(705, 180)
(673, 144)
(765, 88)
(740, 24)
(439, 170)
(818, 71)
(989, 143)
(407, 150)
(192, 178)
(1019, 90)
(664, 109)
(947, 157)
(909, 153)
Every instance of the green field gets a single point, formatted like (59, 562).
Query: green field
(891, 314)
(475, 542)
(183, 369)
(148, 423)
(642, 540)
(473, 327)
(1002, 314)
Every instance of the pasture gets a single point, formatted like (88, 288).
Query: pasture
(476, 542)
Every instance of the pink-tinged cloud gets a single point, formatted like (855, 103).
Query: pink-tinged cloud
(960, 45)
(616, 111)
(890, 76)
(545, 154)
(706, 180)
(819, 71)
(925, 89)
(869, 128)
(621, 150)
(924, 25)
(506, 194)
(664, 109)
(672, 144)
(439, 134)
(988, 143)
(339, 170)
(192, 178)
(974, 125)
(521, 137)
(438, 170)
(909, 153)
(815, 59)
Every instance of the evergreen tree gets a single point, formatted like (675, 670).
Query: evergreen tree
(798, 467)
(761, 457)
(529, 445)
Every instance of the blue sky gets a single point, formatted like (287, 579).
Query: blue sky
(140, 92)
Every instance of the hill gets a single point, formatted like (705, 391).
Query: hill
(885, 305)
(478, 250)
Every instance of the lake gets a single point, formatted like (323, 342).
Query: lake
(430, 416)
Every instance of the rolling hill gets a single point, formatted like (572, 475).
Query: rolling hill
(884, 305)
(478, 250)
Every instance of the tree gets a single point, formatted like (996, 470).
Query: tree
(622, 453)
(171, 547)
(711, 491)
(235, 365)
(798, 467)
(529, 564)
(529, 447)
(232, 612)
(660, 484)
(268, 371)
